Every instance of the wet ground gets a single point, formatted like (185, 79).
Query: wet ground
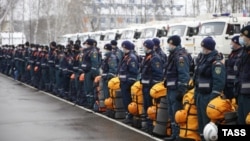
(27, 114)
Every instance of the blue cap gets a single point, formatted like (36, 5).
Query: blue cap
(89, 42)
(148, 44)
(156, 41)
(235, 39)
(245, 31)
(108, 46)
(127, 45)
(208, 43)
(113, 42)
(174, 40)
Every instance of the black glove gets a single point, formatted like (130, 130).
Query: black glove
(179, 96)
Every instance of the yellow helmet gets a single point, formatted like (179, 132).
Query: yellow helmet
(108, 102)
(133, 108)
(152, 112)
(248, 118)
(217, 107)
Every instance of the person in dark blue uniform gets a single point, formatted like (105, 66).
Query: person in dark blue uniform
(74, 86)
(44, 81)
(177, 78)
(66, 65)
(244, 77)
(51, 66)
(232, 67)
(118, 52)
(209, 78)
(128, 72)
(151, 73)
(27, 51)
(109, 68)
(91, 68)
(58, 70)
(159, 51)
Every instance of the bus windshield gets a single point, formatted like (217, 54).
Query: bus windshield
(212, 28)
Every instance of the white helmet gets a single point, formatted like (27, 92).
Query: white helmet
(210, 132)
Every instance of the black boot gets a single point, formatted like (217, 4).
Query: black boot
(128, 119)
(171, 138)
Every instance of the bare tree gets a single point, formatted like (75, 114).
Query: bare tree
(37, 20)
(5, 7)
(46, 6)
(195, 7)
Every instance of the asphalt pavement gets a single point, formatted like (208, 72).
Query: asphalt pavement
(27, 114)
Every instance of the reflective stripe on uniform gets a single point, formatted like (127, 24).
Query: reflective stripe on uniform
(111, 74)
(50, 61)
(231, 77)
(93, 68)
(155, 81)
(132, 79)
(216, 92)
(171, 83)
(245, 85)
(122, 76)
(143, 81)
(203, 85)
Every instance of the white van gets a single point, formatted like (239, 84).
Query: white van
(222, 29)
(64, 39)
(186, 30)
(150, 32)
(98, 36)
(83, 36)
(129, 34)
(108, 35)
